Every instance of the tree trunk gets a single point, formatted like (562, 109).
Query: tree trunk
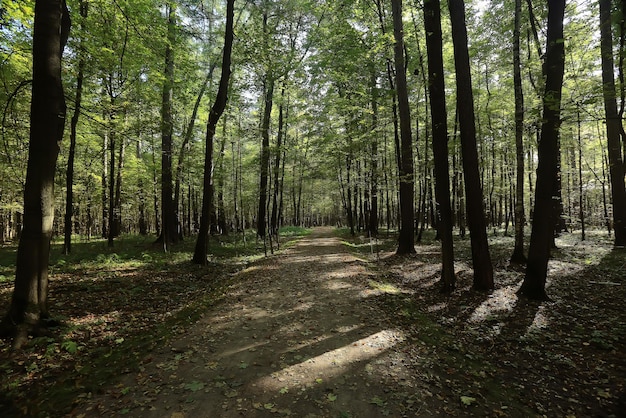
(169, 233)
(277, 185)
(265, 156)
(202, 244)
(69, 181)
(186, 140)
(432, 26)
(406, 244)
(613, 126)
(29, 302)
(518, 251)
(534, 282)
(483, 270)
(373, 218)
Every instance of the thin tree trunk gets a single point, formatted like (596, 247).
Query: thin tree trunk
(432, 26)
(613, 126)
(534, 282)
(406, 243)
(168, 214)
(201, 248)
(69, 183)
(186, 140)
(483, 269)
(518, 251)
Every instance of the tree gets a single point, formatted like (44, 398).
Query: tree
(613, 126)
(169, 233)
(69, 199)
(29, 303)
(202, 243)
(406, 238)
(436, 92)
(541, 237)
(518, 252)
(483, 270)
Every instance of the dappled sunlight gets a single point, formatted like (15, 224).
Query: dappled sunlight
(331, 363)
(247, 347)
(500, 303)
(339, 284)
(540, 321)
(437, 307)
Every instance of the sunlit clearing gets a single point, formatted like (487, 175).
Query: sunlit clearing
(501, 301)
(332, 363)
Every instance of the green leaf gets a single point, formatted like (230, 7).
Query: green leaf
(70, 346)
(468, 400)
(377, 401)
(194, 386)
(331, 397)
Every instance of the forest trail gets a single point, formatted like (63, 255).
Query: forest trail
(298, 335)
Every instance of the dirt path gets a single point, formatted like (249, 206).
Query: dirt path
(297, 336)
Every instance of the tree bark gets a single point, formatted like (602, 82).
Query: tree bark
(202, 243)
(168, 216)
(534, 282)
(265, 156)
(483, 269)
(406, 240)
(518, 251)
(432, 26)
(613, 126)
(29, 302)
(69, 180)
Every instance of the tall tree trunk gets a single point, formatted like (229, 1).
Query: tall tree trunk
(202, 244)
(103, 185)
(221, 213)
(69, 181)
(483, 270)
(183, 148)
(265, 156)
(111, 228)
(406, 243)
(373, 219)
(534, 282)
(613, 126)
(518, 251)
(169, 233)
(29, 302)
(277, 185)
(432, 26)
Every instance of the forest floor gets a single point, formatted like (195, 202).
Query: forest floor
(331, 328)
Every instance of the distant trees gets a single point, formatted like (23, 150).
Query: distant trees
(329, 121)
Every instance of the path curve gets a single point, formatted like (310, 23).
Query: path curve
(298, 335)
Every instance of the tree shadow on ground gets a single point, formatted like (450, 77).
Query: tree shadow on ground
(557, 358)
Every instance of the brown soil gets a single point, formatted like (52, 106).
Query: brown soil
(297, 336)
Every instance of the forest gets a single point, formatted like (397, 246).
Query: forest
(458, 164)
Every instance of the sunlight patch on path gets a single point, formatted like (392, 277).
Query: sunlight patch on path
(332, 363)
(500, 302)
